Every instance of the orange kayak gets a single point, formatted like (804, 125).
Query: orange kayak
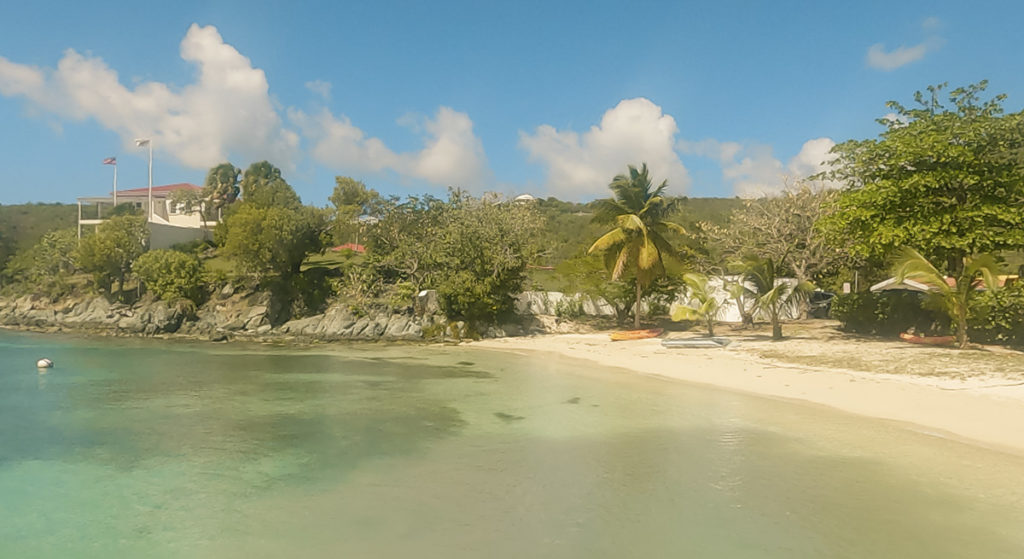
(635, 334)
(927, 340)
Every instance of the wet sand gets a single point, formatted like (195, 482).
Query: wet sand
(975, 395)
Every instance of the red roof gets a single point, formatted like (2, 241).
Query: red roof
(349, 246)
(159, 191)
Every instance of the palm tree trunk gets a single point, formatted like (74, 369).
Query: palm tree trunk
(776, 326)
(636, 309)
(961, 330)
(711, 327)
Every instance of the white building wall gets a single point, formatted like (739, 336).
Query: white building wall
(167, 235)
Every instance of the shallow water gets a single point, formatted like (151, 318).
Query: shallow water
(174, 449)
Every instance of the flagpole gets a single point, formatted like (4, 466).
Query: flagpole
(150, 142)
(139, 142)
(115, 184)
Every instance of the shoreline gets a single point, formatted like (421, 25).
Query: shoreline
(980, 410)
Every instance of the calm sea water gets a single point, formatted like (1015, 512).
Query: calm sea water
(132, 448)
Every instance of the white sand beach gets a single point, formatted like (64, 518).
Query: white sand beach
(976, 395)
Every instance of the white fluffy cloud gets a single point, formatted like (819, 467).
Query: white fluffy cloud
(227, 110)
(754, 171)
(451, 154)
(633, 132)
(880, 58)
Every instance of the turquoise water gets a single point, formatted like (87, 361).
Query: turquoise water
(131, 448)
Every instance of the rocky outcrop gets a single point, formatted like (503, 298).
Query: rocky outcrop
(234, 315)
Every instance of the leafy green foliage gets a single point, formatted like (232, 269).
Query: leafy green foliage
(942, 179)
(262, 186)
(638, 242)
(706, 307)
(109, 253)
(998, 316)
(773, 293)
(887, 313)
(587, 276)
(473, 251)
(22, 225)
(45, 267)
(954, 300)
(273, 240)
(171, 275)
(221, 187)
(351, 200)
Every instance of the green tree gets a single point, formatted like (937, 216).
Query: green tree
(637, 243)
(263, 186)
(109, 253)
(273, 240)
(586, 275)
(773, 294)
(473, 251)
(955, 300)
(221, 187)
(942, 179)
(45, 266)
(171, 275)
(351, 200)
(707, 307)
(483, 248)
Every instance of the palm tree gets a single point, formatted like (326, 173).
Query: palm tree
(956, 299)
(772, 296)
(221, 187)
(741, 296)
(708, 306)
(638, 241)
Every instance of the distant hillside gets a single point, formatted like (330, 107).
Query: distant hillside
(570, 232)
(22, 225)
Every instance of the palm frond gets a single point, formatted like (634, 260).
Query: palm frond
(631, 223)
(625, 256)
(649, 255)
(608, 240)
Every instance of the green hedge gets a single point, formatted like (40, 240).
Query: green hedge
(997, 317)
(887, 313)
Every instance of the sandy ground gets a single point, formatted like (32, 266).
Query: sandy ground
(975, 395)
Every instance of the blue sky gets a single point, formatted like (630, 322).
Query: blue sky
(551, 98)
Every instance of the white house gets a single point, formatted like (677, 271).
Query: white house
(169, 223)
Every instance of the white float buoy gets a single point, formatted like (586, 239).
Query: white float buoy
(44, 363)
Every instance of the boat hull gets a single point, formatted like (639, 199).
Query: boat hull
(636, 334)
(927, 340)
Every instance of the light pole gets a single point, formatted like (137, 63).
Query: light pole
(139, 142)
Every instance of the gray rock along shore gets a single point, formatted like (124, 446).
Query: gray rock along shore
(230, 315)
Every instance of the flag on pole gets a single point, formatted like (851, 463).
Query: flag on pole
(110, 161)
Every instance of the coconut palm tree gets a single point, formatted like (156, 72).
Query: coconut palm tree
(772, 296)
(700, 293)
(956, 299)
(637, 243)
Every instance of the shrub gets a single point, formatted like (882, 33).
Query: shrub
(998, 317)
(569, 307)
(171, 275)
(887, 313)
